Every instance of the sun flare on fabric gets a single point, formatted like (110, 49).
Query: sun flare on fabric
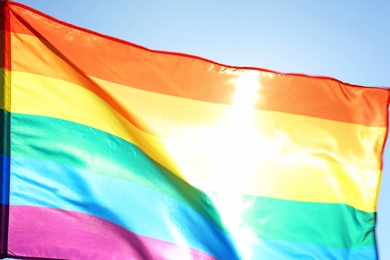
(247, 86)
(239, 128)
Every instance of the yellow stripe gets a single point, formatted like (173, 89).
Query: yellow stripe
(5, 102)
(207, 156)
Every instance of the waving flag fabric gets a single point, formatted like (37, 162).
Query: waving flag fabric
(114, 151)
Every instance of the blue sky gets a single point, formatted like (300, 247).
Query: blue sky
(348, 40)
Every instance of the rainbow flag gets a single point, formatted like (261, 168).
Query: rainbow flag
(114, 151)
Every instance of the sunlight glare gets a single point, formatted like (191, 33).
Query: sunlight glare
(247, 86)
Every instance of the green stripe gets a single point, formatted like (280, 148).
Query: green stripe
(330, 225)
(4, 131)
(101, 153)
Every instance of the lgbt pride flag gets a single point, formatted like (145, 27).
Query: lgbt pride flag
(114, 151)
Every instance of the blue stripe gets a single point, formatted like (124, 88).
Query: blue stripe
(134, 207)
(268, 249)
(4, 179)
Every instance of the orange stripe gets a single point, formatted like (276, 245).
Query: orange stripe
(191, 77)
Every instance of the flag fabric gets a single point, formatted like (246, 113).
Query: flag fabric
(114, 151)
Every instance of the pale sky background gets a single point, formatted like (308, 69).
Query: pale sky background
(348, 40)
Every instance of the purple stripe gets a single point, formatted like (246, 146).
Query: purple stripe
(4, 209)
(54, 233)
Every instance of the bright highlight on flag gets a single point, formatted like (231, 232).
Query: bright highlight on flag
(114, 151)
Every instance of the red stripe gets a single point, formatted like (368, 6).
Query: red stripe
(5, 59)
(54, 233)
(196, 78)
